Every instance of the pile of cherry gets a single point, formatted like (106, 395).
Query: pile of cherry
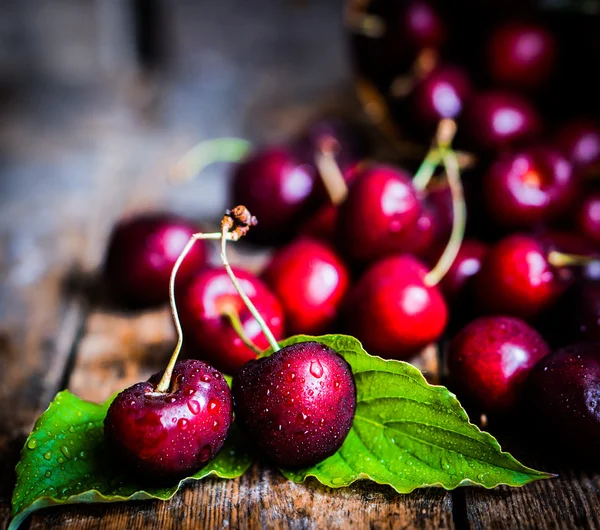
(378, 251)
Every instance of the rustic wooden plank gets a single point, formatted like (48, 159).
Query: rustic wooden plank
(264, 499)
(571, 500)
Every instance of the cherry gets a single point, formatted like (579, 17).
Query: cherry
(421, 26)
(168, 435)
(529, 187)
(588, 217)
(385, 197)
(521, 54)
(441, 94)
(392, 310)
(277, 185)
(498, 120)
(461, 275)
(563, 395)
(141, 253)
(209, 301)
(579, 140)
(297, 405)
(322, 224)
(310, 280)
(489, 360)
(517, 279)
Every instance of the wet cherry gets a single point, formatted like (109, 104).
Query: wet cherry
(168, 435)
(297, 405)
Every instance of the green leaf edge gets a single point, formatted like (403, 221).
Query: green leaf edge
(93, 495)
(330, 340)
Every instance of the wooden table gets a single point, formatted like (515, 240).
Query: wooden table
(75, 159)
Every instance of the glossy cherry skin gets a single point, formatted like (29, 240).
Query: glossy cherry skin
(391, 310)
(379, 215)
(275, 185)
(462, 272)
(202, 304)
(442, 94)
(579, 140)
(516, 278)
(489, 360)
(563, 395)
(310, 281)
(421, 26)
(588, 218)
(297, 405)
(169, 435)
(141, 253)
(499, 120)
(521, 55)
(529, 187)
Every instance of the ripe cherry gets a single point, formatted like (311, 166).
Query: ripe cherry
(489, 360)
(521, 55)
(588, 217)
(517, 279)
(392, 311)
(421, 26)
(563, 395)
(310, 281)
(385, 197)
(297, 405)
(166, 435)
(498, 120)
(579, 140)
(529, 187)
(209, 301)
(459, 280)
(276, 184)
(141, 253)
(441, 94)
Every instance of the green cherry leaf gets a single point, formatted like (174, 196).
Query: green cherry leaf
(65, 461)
(409, 434)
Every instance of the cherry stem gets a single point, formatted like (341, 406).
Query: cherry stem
(330, 172)
(165, 381)
(364, 24)
(459, 216)
(209, 152)
(445, 132)
(234, 318)
(561, 259)
(251, 307)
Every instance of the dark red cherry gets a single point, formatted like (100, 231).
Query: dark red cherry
(521, 55)
(169, 435)
(141, 253)
(588, 218)
(498, 120)
(563, 395)
(516, 278)
(391, 310)
(466, 266)
(579, 140)
(490, 359)
(379, 214)
(529, 187)
(297, 405)
(442, 94)
(202, 305)
(275, 185)
(310, 281)
(421, 26)
(322, 224)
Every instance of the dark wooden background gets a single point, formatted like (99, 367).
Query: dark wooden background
(98, 100)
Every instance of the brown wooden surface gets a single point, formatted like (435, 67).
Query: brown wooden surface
(73, 159)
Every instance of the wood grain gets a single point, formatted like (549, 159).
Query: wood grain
(264, 499)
